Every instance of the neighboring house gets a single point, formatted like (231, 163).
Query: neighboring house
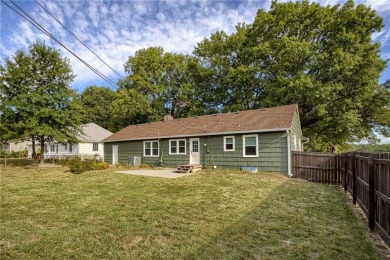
(260, 139)
(14, 146)
(90, 144)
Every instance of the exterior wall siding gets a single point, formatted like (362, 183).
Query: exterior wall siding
(297, 132)
(272, 153)
(272, 149)
(87, 149)
(135, 148)
(61, 150)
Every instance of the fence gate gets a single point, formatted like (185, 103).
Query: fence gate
(316, 167)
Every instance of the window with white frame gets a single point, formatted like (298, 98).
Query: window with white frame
(151, 149)
(250, 146)
(177, 146)
(228, 143)
(70, 148)
(66, 146)
(95, 147)
(52, 147)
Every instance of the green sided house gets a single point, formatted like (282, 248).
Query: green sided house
(259, 140)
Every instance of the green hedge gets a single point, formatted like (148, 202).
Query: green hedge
(16, 161)
(78, 166)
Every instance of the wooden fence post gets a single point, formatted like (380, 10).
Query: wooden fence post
(371, 193)
(345, 172)
(338, 162)
(354, 182)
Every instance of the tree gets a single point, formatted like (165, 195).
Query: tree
(226, 79)
(129, 107)
(37, 102)
(164, 81)
(321, 58)
(97, 105)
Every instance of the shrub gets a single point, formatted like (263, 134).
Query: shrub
(78, 166)
(13, 154)
(118, 165)
(144, 166)
(102, 165)
(16, 161)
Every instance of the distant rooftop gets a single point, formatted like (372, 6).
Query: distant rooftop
(93, 133)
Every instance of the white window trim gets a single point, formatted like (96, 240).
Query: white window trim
(243, 146)
(224, 143)
(151, 148)
(177, 146)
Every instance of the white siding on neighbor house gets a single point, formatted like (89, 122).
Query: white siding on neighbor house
(15, 147)
(77, 149)
(87, 148)
(61, 150)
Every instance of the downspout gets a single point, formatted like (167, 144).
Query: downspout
(288, 154)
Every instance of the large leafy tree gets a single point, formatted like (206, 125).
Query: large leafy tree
(129, 107)
(321, 58)
(97, 105)
(36, 100)
(226, 79)
(162, 79)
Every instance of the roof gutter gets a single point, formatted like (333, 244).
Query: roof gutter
(200, 134)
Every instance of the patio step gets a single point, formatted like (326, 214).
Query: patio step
(187, 168)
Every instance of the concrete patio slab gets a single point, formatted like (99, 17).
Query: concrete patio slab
(163, 173)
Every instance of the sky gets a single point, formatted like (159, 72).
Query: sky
(115, 30)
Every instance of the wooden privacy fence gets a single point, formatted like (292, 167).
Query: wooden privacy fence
(366, 176)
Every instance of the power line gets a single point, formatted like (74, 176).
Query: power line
(42, 29)
(78, 39)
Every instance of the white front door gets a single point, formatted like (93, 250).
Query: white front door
(114, 154)
(194, 151)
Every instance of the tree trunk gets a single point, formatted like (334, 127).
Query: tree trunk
(42, 148)
(34, 154)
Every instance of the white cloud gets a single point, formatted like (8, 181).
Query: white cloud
(380, 5)
(161, 17)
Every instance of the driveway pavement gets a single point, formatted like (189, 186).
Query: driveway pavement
(164, 173)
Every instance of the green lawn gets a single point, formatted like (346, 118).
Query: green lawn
(51, 213)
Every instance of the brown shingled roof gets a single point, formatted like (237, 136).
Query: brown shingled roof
(269, 119)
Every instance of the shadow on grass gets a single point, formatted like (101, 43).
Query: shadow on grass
(299, 220)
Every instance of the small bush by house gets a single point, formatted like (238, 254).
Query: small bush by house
(78, 166)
